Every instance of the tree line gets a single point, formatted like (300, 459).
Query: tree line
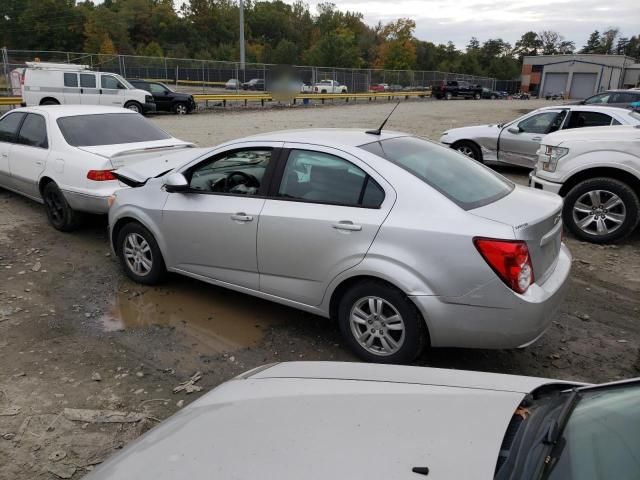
(275, 32)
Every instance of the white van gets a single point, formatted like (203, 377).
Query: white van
(62, 83)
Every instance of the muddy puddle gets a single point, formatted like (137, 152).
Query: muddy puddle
(208, 319)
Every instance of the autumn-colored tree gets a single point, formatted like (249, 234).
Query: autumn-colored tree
(397, 50)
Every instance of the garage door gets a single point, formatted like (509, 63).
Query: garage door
(554, 83)
(583, 85)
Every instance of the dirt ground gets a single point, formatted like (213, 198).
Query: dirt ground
(76, 334)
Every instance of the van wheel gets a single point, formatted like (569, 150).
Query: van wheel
(381, 324)
(180, 109)
(50, 101)
(601, 210)
(133, 106)
(140, 255)
(61, 216)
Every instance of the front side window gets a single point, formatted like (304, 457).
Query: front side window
(87, 80)
(542, 123)
(596, 99)
(157, 89)
(108, 129)
(33, 132)
(240, 172)
(9, 127)
(70, 79)
(111, 82)
(459, 178)
(322, 178)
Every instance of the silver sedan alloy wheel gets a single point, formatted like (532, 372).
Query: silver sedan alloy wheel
(377, 326)
(466, 151)
(599, 212)
(137, 254)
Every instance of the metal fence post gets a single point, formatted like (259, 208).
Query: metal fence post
(5, 69)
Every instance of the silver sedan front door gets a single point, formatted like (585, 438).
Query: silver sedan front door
(323, 216)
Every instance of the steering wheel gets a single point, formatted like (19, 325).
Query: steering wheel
(223, 183)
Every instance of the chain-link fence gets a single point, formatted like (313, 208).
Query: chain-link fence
(204, 76)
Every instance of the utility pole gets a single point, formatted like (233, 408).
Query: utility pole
(241, 5)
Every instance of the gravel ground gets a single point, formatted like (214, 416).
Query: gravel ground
(76, 334)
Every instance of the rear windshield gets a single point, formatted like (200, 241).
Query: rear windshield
(635, 114)
(464, 181)
(108, 129)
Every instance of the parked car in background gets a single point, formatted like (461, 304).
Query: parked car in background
(529, 428)
(597, 171)
(517, 142)
(380, 87)
(329, 86)
(492, 94)
(254, 84)
(554, 96)
(166, 99)
(614, 98)
(521, 96)
(233, 84)
(456, 88)
(404, 242)
(63, 83)
(64, 155)
(395, 88)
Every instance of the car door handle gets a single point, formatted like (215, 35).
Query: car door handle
(241, 217)
(347, 225)
(536, 139)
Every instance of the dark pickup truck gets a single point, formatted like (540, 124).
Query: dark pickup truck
(455, 88)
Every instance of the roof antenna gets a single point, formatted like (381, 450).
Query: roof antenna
(378, 131)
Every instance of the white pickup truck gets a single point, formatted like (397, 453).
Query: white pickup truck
(329, 86)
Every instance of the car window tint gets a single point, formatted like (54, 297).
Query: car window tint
(615, 122)
(157, 89)
(542, 123)
(323, 178)
(108, 129)
(141, 86)
(70, 79)
(240, 172)
(9, 126)
(464, 181)
(87, 80)
(588, 119)
(111, 82)
(33, 131)
(601, 98)
(373, 194)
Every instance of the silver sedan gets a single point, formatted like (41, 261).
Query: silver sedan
(517, 142)
(402, 241)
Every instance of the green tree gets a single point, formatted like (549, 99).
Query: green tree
(593, 43)
(528, 45)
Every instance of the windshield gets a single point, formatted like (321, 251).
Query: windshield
(464, 181)
(108, 129)
(602, 437)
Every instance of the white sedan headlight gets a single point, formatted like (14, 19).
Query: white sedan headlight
(549, 157)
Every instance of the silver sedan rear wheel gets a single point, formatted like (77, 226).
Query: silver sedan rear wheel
(599, 212)
(137, 254)
(377, 326)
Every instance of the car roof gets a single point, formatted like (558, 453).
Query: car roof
(348, 137)
(590, 108)
(57, 111)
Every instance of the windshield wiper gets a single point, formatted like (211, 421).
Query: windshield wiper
(553, 436)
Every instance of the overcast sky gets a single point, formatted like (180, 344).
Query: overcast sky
(439, 21)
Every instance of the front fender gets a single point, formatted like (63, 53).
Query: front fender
(595, 159)
(141, 216)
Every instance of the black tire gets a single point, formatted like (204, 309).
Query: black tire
(61, 216)
(323, 91)
(414, 338)
(493, 97)
(180, 108)
(157, 271)
(477, 96)
(134, 106)
(50, 101)
(629, 207)
(468, 148)
(448, 96)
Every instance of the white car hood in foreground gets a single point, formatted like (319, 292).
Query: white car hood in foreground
(326, 421)
(593, 134)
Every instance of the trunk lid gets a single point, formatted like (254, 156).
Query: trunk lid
(127, 153)
(536, 218)
(140, 167)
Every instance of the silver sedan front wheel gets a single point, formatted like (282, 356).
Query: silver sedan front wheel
(599, 212)
(377, 326)
(137, 254)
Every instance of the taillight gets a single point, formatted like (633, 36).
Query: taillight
(509, 259)
(100, 175)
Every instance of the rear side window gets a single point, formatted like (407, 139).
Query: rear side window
(459, 178)
(9, 127)
(70, 79)
(33, 132)
(588, 119)
(108, 129)
(87, 80)
(318, 177)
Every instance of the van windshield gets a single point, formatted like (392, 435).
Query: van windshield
(108, 129)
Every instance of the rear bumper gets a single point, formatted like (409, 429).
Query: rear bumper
(512, 321)
(90, 203)
(546, 185)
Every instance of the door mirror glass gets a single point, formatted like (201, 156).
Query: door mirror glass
(175, 182)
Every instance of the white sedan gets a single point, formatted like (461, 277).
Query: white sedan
(517, 142)
(63, 155)
(321, 420)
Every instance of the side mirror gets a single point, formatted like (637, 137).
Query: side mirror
(514, 130)
(166, 92)
(175, 182)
